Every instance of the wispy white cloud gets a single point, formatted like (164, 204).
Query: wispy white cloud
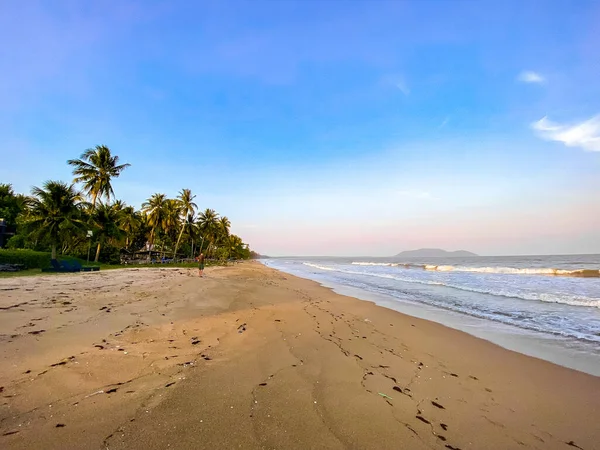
(444, 122)
(395, 80)
(411, 193)
(585, 135)
(528, 76)
(401, 84)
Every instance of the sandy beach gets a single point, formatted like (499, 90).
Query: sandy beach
(252, 358)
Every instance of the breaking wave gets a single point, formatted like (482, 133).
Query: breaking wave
(573, 300)
(586, 273)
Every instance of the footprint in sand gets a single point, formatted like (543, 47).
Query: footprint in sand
(63, 362)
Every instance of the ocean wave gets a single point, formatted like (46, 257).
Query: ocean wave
(516, 319)
(591, 273)
(585, 273)
(316, 266)
(573, 300)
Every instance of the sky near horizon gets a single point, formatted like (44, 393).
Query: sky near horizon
(322, 127)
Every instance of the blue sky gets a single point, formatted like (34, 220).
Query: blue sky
(322, 127)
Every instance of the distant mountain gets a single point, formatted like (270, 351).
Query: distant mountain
(433, 252)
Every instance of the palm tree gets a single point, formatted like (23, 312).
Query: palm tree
(106, 219)
(154, 208)
(209, 225)
(187, 208)
(236, 246)
(190, 225)
(223, 226)
(129, 221)
(171, 219)
(95, 170)
(54, 209)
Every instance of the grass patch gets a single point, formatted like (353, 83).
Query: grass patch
(37, 272)
(21, 273)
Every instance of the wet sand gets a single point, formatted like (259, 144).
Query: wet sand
(252, 358)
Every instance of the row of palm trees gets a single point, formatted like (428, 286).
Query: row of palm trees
(62, 217)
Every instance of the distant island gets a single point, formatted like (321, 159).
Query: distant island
(433, 252)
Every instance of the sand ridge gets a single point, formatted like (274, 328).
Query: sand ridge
(249, 357)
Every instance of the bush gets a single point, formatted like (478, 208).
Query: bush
(33, 259)
(29, 258)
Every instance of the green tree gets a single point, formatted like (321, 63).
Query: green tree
(187, 209)
(11, 204)
(95, 170)
(106, 221)
(209, 227)
(129, 221)
(155, 210)
(170, 223)
(223, 226)
(54, 210)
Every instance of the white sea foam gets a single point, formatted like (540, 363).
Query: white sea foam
(573, 300)
(591, 273)
(316, 266)
(373, 264)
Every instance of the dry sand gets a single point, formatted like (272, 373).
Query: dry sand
(251, 358)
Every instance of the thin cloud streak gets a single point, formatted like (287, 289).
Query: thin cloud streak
(401, 84)
(416, 194)
(585, 135)
(529, 76)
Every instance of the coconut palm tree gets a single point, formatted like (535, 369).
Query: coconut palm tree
(155, 209)
(54, 209)
(187, 208)
(171, 220)
(236, 246)
(223, 225)
(129, 221)
(209, 226)
(106, 220)
(95, 170)
(191, 229)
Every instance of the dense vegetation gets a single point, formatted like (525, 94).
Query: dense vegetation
(58, 218)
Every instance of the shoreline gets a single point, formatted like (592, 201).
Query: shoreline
(557, 349)
(275, 360)
(526, 342)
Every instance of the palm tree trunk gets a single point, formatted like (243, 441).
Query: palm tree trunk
(98, 252)
(53, 251)
(178, 239)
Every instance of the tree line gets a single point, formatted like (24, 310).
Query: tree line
(59, 217)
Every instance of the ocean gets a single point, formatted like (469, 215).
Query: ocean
(543, 306)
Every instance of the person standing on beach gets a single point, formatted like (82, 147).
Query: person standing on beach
(201, 265)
